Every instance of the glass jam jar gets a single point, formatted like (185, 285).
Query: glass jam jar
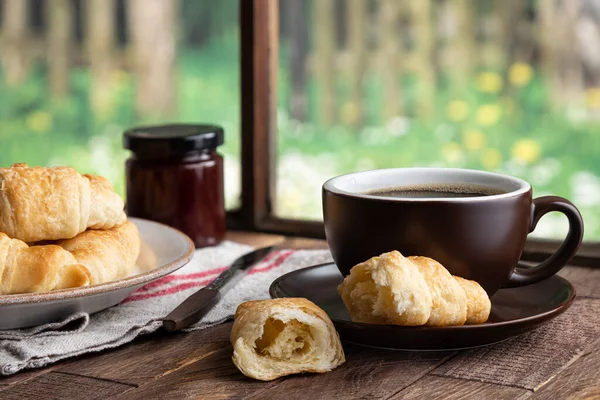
(175, 176)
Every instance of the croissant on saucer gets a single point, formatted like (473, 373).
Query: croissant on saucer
(38, 203)
(413, 291)
(279, 337)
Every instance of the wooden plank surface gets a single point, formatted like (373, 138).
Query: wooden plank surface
(585, 279)
(580, 380)
(367, 373)
(303, 243)
(152, 357)
(61, 386)
(212, 377)
(254, 239)
(23, 376)
(437, 388)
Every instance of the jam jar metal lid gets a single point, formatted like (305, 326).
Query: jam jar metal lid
(159, 141)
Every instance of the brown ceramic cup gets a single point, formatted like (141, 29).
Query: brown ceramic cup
(479, 238)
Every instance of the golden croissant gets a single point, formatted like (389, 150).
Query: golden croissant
(92, 257)
(413, 291)
(25, 269)
(109, 254)
(38, 203)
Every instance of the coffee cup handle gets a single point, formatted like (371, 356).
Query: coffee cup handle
(541, 206)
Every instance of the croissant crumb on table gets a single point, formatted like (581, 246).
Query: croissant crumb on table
(413, 291)
(279, 337)
(39, 203)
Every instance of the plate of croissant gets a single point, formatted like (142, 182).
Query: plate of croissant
(414, 303)
(67, 246)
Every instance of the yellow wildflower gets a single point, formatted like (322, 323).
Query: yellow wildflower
(491, 158)
(39, 121)
(488, 114)
(452, 153)
(526, 151)
(592, 97)
(349, 113)
(457, 110)
(473, 140)
(520, 74)
(489, 82)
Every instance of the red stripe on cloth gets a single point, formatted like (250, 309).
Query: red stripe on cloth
(165, 292)
(170, 278)
(177, 277)
(282, 257)
(187, 285)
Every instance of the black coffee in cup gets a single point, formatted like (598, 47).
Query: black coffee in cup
(436, 191)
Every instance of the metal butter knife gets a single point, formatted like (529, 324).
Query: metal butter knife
(200, 303)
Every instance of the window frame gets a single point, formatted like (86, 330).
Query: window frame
(259, 42)
(259, 34)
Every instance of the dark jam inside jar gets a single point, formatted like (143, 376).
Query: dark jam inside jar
(175, 176)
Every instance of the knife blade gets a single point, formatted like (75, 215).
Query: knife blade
(196, 306)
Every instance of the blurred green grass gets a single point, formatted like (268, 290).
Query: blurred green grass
(40, 130)
(502, 121)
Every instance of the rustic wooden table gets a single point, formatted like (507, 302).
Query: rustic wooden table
(198, 365)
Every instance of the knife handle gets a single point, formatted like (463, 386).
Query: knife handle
(192, 309)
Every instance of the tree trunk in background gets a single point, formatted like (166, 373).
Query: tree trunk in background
(517, 30)
(152, 27)
(100, 35)
(498, 25)
(588, 32)
(60, 32)
(356, 33)
(560, 61)
(505, 35)
(571, 66)
(547, 38)
(295, 17)
(460, 54)
(424, 47)
(324, 45)
(389, 42)
(15, 63)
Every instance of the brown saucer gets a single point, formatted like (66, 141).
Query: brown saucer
(514, 311)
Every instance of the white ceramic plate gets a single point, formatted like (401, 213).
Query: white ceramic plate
(164, 250)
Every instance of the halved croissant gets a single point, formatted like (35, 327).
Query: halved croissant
(274, 338)
(393, 289)
(55, 203)
(107, 254)
(25, 269)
